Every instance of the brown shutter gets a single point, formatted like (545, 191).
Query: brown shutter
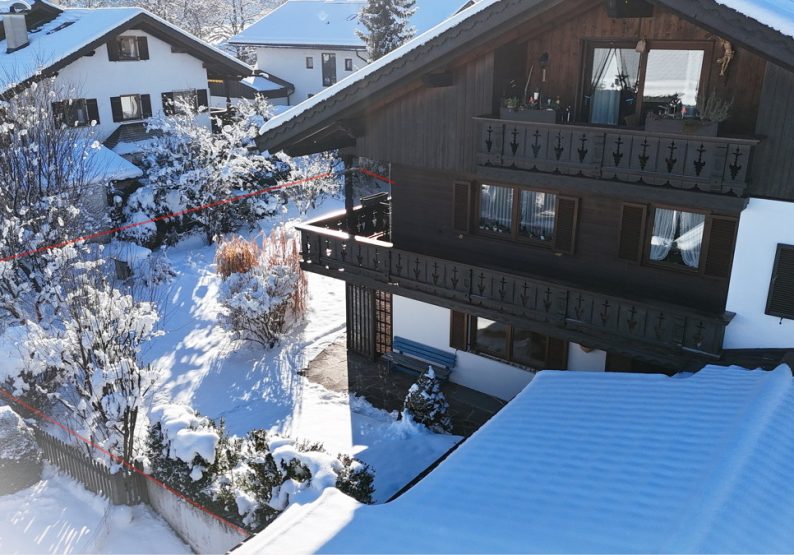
(457, 330)
(556, 354)
(721, 243)
(115, 108)
(461, 199)
(632, 232)
(58, 112)
(168, 103)
(114, 53)
(143, 48)
(202, 100)
(780, 301)
(146, 105)
(93, 109)
(565, 228)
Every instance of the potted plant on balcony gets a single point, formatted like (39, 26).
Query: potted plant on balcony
(710, 112)
(513, 109)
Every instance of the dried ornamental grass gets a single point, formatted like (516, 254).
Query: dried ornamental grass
(237, 256)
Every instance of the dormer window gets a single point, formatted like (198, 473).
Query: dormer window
(128, 48)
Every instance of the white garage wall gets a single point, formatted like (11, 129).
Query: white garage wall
(764, 224)
(429, 324)
(594, 361)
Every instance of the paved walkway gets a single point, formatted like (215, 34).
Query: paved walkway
(339, 370)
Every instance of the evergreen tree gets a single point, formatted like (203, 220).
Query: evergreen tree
(386, 24)
(426, 404)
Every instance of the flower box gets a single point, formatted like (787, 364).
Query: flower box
(683, 127)
(536, 116)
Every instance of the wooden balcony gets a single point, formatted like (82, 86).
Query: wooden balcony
(666, 333)
(708, 164)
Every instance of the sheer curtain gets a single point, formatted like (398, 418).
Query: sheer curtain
(690, 239)
(665, 223)
(538, 211)
(614, 81)
(496, 208)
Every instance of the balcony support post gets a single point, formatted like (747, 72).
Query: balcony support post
(349, 160)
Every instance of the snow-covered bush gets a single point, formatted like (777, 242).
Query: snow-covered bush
(266, 300)
(248, 480)
(20, 457)
(237, 256)
(355, 479)
(89, 362)
(426, 404)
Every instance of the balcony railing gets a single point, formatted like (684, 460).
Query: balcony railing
(664, 328)
(371, 219)
(708, 164)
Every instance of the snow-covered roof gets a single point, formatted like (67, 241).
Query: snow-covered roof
(105, 165)
(261, 83)
(331, 22)
(776, 14)
(590, 463)
(382, 62)
(11, 6)
(73, 30)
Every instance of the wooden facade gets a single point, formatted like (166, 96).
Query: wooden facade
(447, 137)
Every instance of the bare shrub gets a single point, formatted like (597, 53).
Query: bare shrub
(237, 256)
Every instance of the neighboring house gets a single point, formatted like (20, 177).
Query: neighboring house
(313, 43)
(520, 241)
(589, 463)
(276, 90)
(124, 63)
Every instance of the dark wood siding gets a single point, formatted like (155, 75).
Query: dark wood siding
(721, 242)
(773, 163)
(422, 208)
(462, 212)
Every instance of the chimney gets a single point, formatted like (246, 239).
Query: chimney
(15, 26)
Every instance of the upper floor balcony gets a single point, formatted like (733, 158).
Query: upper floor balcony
(708, 164)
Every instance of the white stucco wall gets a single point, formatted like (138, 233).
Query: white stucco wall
(764, 224)
(429, 324)
(594, 361)
(290, 64)
(97, 77)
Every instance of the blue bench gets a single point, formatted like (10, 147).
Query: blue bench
(413, 357)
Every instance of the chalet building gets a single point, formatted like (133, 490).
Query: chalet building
(313, 43)
(578, 184)
(126, 64)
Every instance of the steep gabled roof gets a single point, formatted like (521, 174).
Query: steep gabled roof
(589, 462)
(74, 32)
(771, 36)
(330, 23)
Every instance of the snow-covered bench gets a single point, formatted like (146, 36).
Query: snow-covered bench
(413, 357)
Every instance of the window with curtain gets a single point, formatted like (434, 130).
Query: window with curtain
(512, 344)
(538, 211)
(496, 209)
(131, 106)
(613, 85)
(672, 74)
(677, 237)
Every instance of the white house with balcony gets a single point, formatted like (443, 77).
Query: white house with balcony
(313, 43)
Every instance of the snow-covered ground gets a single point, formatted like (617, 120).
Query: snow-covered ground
(59, 516)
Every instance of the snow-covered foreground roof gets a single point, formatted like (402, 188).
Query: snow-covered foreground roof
(105, 165)
(590, 462)
(777, 14)
(331, 22)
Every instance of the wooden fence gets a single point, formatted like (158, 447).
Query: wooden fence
(122, 488)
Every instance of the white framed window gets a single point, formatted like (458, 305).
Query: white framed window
(128, 48)
(677, 238)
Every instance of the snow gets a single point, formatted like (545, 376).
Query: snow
(11, 6)
(590, 462)
(777, 14)
(331, 22)
(261, 83)
(186, 433)
(106, 165)
(377, 65)
(59, 516)
(16, 438)
(127, 252)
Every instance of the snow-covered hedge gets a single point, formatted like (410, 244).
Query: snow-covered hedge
(266, 300)
(20, 457)
(426, 404)
(248, 480)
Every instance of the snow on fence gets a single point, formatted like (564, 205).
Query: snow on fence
(201, 531)
(121, 488)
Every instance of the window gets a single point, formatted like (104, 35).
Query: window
(348, 64)
(80, 112)
(677, 237)
(329, 69)
(131, 107)
(537, 215)
(491, 338)
(780, 301)
(309, 62)
(128, 48)
(181, 102)
(629, 81)
(496, 209)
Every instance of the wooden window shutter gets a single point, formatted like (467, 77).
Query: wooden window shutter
(461, 199)
(113, 50)
(556, 354)
(143, 48)
(721, 243)
(168, 103)
(202, 99)
(780, 301)
(632, 232)
(93, 109)
(115, 108)
(146, 105)
(565, 226)
(57, 112)
(458, 332)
